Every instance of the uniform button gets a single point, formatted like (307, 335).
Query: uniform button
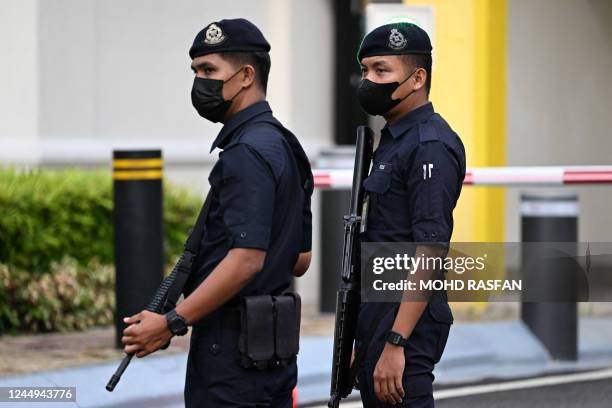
(242, 234)
(433, 234)
(215, 348)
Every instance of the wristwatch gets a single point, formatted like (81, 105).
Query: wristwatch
(396, 339)
(176, 323)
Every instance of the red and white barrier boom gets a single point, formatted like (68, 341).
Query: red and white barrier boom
(494, 176)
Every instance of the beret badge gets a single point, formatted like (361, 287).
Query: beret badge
(214, 35)
(397, 41)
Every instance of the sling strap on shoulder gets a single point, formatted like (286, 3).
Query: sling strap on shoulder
(189, 255)
(301, 159)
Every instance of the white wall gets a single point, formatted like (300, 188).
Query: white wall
(560, 98)
(111, 72)
(19, 61)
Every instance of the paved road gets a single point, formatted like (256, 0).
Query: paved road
(585, 390)
(592, 394)
(584, 394)
(590, 389)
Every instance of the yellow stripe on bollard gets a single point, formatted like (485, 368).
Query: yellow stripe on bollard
(137, 169)
(137, 163)
(137, 175)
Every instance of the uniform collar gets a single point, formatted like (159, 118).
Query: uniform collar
(410, 119)
(239, 118)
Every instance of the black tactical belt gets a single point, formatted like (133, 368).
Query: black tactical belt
(226, 318)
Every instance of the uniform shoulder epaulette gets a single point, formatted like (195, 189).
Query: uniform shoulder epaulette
(268, 142)
(263, 137)
(428, 132)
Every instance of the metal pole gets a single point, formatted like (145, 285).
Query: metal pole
(547, 218)
(137, 187)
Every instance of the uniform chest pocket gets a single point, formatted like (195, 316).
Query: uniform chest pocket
(379, 179)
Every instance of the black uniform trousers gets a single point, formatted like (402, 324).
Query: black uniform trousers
(215, 378)
(425, 347)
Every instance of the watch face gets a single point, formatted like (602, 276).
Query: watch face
(177, 325)
(395, 338)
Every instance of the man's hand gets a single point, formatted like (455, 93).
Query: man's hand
(388, 374)
(147, 333)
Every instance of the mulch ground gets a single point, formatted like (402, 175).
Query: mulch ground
(40, 352)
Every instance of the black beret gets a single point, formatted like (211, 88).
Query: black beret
(395, 39)
(235, 35)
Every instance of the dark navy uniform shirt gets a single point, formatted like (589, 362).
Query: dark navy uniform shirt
(416, 177)
(415, 181)
(258, 201)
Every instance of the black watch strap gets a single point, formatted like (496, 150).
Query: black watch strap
(396, 339)
(176, 323)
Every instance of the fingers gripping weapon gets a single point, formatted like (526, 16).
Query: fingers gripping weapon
(162, 302)
(348, 298)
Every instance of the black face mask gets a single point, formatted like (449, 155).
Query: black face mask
(207, 97)
(375, 98)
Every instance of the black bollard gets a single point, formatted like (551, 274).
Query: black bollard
(548, 276)
(137, 186)
(335, 205)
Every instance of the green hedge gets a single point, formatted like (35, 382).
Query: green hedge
(69, 297)
(56, 231)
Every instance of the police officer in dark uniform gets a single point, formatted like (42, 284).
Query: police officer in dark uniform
(415, 181)
(258, 229)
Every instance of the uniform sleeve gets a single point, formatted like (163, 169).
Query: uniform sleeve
(307, 222)
(247, 197)
(433, 184)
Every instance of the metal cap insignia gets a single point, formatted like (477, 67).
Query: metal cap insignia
(397, 41)
(214, 35)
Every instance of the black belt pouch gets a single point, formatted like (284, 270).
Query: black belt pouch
(269, 330)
